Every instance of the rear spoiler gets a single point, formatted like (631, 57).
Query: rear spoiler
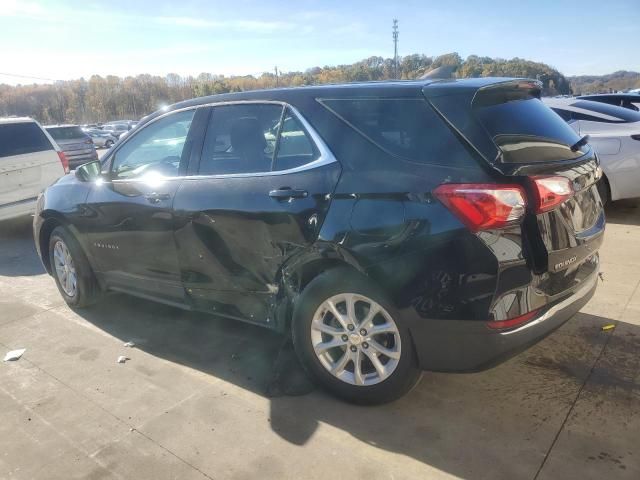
(505, 91)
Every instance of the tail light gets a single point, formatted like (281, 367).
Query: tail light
(483, 206)
(549, 192)
(64, 161)
(512, 322)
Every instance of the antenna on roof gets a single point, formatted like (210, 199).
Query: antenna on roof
(395, 47)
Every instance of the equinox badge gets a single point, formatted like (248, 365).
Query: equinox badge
(565, 263)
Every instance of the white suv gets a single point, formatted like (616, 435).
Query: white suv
(30, 161)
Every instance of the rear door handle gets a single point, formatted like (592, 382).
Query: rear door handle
(286, 193)
(157, 197)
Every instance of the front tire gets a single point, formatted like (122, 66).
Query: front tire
(71, 270)
(350, 339)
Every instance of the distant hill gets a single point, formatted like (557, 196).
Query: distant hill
(109, 98)
(613, 82)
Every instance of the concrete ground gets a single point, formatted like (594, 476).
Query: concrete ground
(192, 400)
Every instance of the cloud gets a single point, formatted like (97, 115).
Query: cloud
(245, 25)
(15, 8)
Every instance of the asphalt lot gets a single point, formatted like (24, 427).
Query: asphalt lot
(204, 397)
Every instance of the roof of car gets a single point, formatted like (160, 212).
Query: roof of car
(16, 119)
(382, 88)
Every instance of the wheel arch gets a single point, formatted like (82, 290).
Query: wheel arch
(300, 270)
(49, 224)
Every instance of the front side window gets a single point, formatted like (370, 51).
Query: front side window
(240, 139)
(156, 150)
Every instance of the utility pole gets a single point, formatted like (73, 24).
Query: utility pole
(395, 47)
(276, 69)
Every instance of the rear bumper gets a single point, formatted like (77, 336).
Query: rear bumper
(76, 158)
(468, 345)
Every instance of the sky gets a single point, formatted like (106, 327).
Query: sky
(61, 40)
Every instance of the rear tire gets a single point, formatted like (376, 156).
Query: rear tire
(71, 270)
(386, 361)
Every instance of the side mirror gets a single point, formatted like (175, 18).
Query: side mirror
(89, 171)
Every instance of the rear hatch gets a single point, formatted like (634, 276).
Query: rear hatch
(71, 139)
(519, 138)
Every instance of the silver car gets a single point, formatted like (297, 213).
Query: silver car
(116, 129)
(101, 138)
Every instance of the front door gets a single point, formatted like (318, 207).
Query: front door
(131, 232)
(259, 194)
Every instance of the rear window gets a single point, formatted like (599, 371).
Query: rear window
(65, 133)
(21, 138)
(523, 128)
(624, 115)
(406, 128)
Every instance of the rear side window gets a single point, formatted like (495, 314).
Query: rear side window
(615, 114)
(405, 128)
(523, 128)
(294, 148)
(240, 139)
(21, 138)
(66, 133)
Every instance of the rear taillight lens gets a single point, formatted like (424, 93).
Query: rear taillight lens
(64, 161)
(550, 192)
(483, 206)
(512, 322)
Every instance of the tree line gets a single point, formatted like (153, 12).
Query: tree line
(101, 99)
(611, 83)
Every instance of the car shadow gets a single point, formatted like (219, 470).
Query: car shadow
(18, 255)
(453, 422)
(625, 212)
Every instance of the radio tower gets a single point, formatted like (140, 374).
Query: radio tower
(395, 47)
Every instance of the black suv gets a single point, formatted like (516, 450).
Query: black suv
(388, 227)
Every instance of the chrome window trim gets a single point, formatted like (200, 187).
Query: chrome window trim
(326, 157)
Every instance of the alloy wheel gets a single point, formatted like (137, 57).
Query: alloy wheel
(65, 268)
(355, 339)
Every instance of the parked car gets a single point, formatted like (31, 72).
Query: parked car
(626, 100)
(116, 129)
(101, 138)
(76, 145)
(30, 161)
(394, 227)
(614, 132)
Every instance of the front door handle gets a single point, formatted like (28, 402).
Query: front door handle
(286, 193)
(157, 197)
